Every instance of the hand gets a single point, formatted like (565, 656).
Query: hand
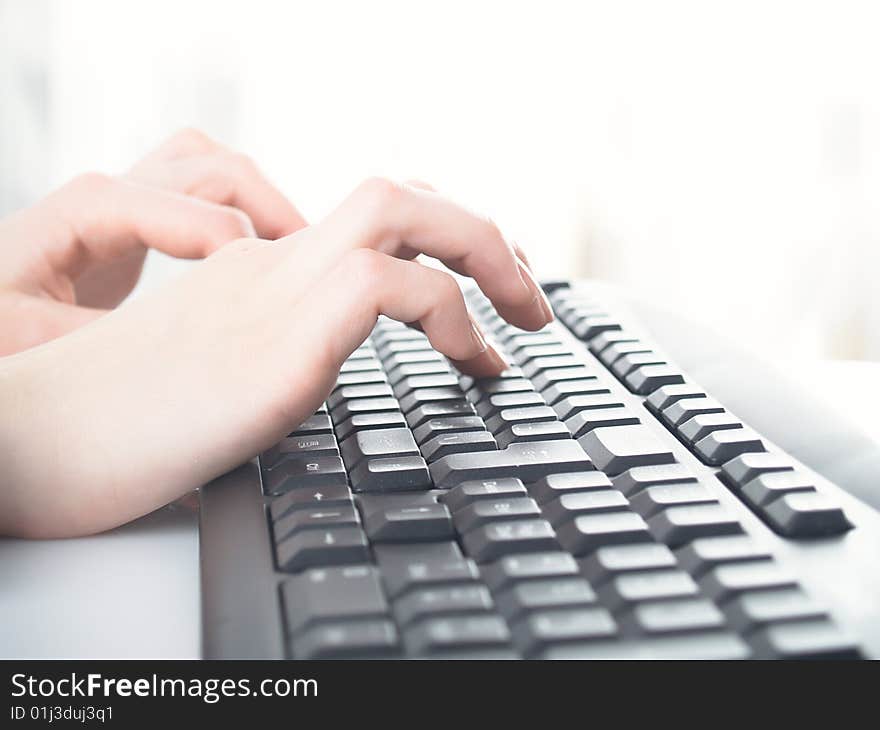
(182, 384)
(79, 252)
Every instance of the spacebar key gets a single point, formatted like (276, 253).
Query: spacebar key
(529, 461)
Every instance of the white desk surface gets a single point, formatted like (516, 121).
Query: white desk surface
(134, 592)
(129, 593)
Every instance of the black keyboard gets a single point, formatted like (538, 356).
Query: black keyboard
(591, 502)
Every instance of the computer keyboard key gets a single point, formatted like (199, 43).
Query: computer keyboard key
(331, 495)
(729, 580)
(610, 337)
(586, 533)
(542, 364)
(544, 593)
(321, 548)
(674, 616)
(351, 639)
(664, 397)
(685, 409)
(696, 645)
(348, 408)
(421, 396)
(384, 335)
(526, 340)
(616, 350)
(587, 328)
(543, 380)
(415, 523)
(676, 526)
(526, 354)
(390, 474)
(320, 518)
(484, 511)
(399, 359)
(652, 500)
(365, 421)
(438, 635)
(516, 569)
(467, 598)
(439, 409)
(449, 424)
(807, 514)
(767, 488)
(413, 369)
(407, 385)
(468, 492)
(552, 486)
(619, 448)
(698, 427)
(746, 467)
(820, 639)
(494, 540)
(625, 364)
(565, 388)
(328, 594)
(365, 377)
(646, 379)
(457, 443)
(528, 461)
(529, 414)
(498, 402)
(300, 447)
(631, 482)
(613, 560)
(705, 553)
(652, 585)
(318, 423)
(483, 390)
(583, 422)
(719, 447)
(524, 432)
(754, 609)
(373, 443)
(398, 347)
(410, 566)
(360, 366)
(363, 390)
(541, 629)
(568, 506)
(567, 407)
(304, 473)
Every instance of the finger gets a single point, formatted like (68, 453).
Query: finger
(40, 320)
(402, 220)
(366, 283)
(105, 217)
(518, 250)
(233, 179)
(191, 162)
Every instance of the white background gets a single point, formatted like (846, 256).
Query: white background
(723, 157)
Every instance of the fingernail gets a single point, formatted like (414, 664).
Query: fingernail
(540, 299)
(479, 339)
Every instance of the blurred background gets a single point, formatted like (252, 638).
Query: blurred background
(723, 158)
